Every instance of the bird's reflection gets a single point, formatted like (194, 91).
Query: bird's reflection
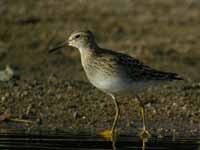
(143, 139)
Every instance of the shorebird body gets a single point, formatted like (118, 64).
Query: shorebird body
(116, 73)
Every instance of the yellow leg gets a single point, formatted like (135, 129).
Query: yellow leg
(113, 130)
(111, 134)
(144, 133)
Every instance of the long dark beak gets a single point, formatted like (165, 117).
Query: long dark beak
(64, 44)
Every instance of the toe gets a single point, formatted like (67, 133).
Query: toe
(107, 134)
(145, 134)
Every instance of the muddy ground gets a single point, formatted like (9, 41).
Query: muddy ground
(53, 91)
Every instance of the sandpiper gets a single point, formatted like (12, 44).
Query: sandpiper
(115, 73)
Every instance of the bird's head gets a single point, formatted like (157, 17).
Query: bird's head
(80, 40)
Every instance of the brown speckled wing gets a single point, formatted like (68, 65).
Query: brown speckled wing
(139, 71)
(133, 68)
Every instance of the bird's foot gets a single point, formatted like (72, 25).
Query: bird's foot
(107, 134)
(144, 134)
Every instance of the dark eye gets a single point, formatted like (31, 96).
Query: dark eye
(77, 36)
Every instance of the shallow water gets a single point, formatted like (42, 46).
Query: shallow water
(67, 141)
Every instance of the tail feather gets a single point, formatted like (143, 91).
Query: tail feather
(169, 76)
(175, 76)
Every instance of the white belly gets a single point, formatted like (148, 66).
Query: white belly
(111, 85)
(117, 86)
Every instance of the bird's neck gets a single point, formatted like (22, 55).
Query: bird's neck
(89, 48)
(88, 52)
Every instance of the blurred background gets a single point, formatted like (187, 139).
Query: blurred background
(53, 90)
